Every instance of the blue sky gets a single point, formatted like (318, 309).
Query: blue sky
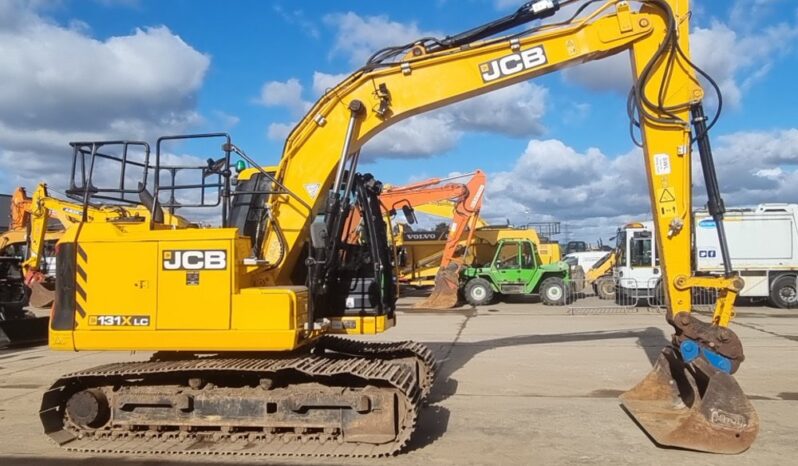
(248, 67)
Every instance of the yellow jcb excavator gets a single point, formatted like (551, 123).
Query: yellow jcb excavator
(241, 316)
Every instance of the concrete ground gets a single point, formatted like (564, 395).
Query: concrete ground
(520, 383)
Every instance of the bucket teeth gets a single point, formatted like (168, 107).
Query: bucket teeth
(692, 406)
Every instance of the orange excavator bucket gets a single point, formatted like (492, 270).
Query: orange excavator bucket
(41, 295)
(445, 293)
(42, 290)
(693, 405)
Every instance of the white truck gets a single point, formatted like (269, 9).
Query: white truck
(637, 272)
(763, 245)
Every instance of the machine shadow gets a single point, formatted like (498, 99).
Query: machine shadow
(651, 340)
(128, 461)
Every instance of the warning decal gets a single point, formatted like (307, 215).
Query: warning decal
(666, 195)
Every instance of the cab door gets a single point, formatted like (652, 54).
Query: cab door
(506, 263)
(529, 263)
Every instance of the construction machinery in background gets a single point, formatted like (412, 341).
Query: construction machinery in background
(19, 326)
(241, 316)
(516, 269)
(600, 275)
(420, 250)
(443, 265)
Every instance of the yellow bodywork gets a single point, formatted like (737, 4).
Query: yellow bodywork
(206, 310)
(602, 270)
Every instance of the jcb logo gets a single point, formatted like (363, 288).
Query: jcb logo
(195, 260)
(512, 64)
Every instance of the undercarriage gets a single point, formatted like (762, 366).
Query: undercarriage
(343, 398)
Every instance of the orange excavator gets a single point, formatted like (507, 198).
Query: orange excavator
(467, 199)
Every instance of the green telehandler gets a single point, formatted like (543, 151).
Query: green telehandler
(516, 269)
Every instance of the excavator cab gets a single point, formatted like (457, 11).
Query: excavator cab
(351, 279)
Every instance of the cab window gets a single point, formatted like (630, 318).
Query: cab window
(507, 257)
(640, 252)
(527, 256)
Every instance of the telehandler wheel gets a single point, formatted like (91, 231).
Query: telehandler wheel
(605, 288)
(784, 293)
(553, 292)
(478, 292)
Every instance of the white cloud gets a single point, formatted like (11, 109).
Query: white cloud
(358, 37)
(60, 84)
(421, 136)
(514, 111)
(298, 18)
(594, 193)
(322, 82)
(279, 131)
(226, 120)
(735, 59)
(286, 94)
(755, 167)
(551, 178)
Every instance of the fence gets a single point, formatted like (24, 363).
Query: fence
(613, 295)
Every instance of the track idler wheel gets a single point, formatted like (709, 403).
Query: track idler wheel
(445, 292)
(88, 408)
(692, 406)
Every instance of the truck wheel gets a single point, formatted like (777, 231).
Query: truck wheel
(478, 292)
(784, 293)
(605, 288)
(553, 291)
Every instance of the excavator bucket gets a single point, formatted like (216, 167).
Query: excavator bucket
(692, 406)
(445, 292)
(41, 295)
(27, 331)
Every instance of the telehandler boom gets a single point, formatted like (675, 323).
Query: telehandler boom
(240, 315)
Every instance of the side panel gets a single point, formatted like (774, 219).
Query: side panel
(756, 241)
(757, 283)
(195, 284)
(115, 286)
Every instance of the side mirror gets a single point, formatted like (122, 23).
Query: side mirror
(410, 214)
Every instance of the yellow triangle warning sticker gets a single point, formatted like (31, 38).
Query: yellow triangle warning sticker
(666, 195)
